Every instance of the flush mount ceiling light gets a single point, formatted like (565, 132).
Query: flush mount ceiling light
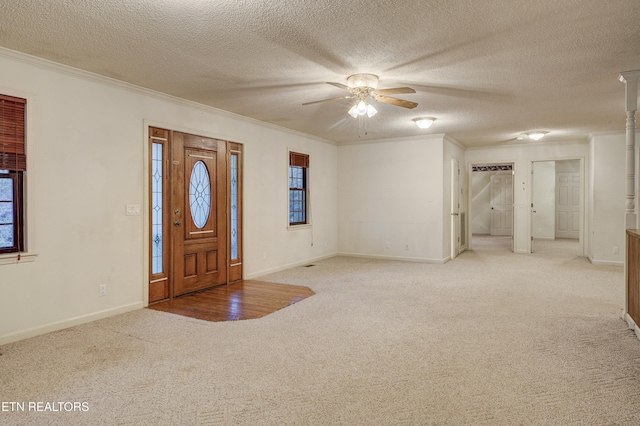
(424, 122)
(537, 135)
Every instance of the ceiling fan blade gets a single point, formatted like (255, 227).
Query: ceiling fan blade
(338, 85)
(395, 90)
(330, 99)
(396, 102)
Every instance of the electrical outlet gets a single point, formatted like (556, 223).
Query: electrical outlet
(102, 290)
(406, 247)
(387, 246)
(615, 250)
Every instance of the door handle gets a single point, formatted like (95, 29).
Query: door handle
(454, 214)
(176, 223)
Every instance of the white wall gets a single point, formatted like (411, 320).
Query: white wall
(391, 192)
(87, 156)
(522, 154)
(607, 206)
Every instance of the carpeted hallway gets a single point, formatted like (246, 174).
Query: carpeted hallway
(490, 338)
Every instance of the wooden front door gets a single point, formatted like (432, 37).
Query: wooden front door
(198, 212)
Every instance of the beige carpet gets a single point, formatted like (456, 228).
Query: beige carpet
(490, 338)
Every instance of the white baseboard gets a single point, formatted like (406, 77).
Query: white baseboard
(631, 323)
(400, 258)
(258, 274)
(605, 262)
(59, 325)
(288, 266)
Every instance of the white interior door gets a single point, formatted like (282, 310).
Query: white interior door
(568, 205)
(501, 204)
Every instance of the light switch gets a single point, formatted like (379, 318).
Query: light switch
(133, 209)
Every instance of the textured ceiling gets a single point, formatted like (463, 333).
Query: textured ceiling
(488, 70)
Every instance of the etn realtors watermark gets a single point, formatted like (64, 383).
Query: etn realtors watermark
(42, 406)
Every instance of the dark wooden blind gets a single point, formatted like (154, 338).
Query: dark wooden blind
(12, 133)
(297, 159)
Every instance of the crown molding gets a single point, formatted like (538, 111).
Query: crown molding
(90, 76)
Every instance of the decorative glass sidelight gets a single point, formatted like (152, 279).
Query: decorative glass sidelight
(200, 194)
(234, 206)
(156, 209)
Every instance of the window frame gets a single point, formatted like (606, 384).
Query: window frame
(26, 252)
(298, 160)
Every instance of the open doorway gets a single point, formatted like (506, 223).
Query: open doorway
(492, 215)
(556, 206)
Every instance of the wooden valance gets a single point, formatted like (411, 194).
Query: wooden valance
(12, 133)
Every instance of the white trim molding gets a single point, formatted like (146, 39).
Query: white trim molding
(71, 322)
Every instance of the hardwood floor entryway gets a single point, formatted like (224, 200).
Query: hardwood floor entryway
(236, 301)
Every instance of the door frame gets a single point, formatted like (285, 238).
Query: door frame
(145, 211)
(469, 216)
(534, 206)
(456, 247)
(582, 235)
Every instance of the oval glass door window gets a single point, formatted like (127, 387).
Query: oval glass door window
(200, 194)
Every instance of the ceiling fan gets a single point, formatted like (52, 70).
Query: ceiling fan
(362, 88)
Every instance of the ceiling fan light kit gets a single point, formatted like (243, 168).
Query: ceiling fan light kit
(424, 122)
(362, 108)
(362, 88)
